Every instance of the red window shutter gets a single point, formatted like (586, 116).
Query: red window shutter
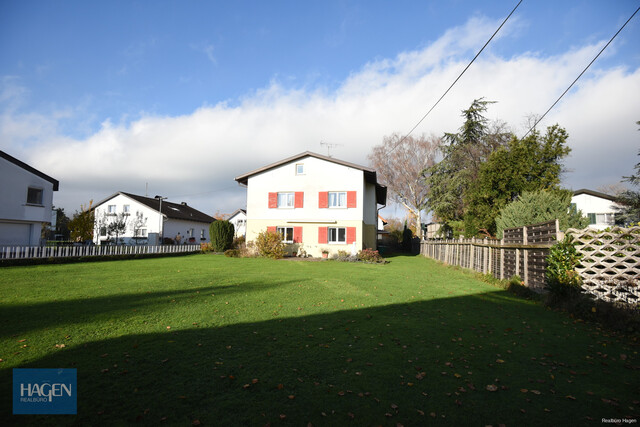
(351, 234)
(297, 234)
(299, 202)
(323, 199)
(322, 234)
(272, 230)
(273, 200)
(351, 199)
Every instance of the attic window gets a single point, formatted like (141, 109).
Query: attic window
(34, 196)
(299, 168)
(175, 209)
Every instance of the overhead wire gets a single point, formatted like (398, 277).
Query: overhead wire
(455, 81)
(580, 75)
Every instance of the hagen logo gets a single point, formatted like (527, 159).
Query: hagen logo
(44, 391)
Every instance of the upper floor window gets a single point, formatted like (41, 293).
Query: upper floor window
(299, 168)
(34, 196)
(286, 200)
(337, 199)
(111, 209)
(126, 209)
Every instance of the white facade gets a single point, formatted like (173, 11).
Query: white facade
(26, 200)
(239, 221)
(151, 224)
(598, 207)
(331, 204)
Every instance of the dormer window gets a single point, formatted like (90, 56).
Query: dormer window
(299, 168)
(34, 196)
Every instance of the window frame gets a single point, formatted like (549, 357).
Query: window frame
(39, 196)
(337, 198)
(337, 235)
(298, 171)
(283, 231)
(110, 211)
(291, 197)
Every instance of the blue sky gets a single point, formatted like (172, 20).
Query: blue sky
(184, 96)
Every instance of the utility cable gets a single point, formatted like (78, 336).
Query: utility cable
(455, 81)
(583, 71)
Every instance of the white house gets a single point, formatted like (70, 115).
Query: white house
(145, 224)
(316, 203)
(598, 207)
(26, 200)
(239, 221)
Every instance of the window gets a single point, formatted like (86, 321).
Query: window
(103, 231)
(141, 232)
(605, 218)
(337, 199)
(126, 208)
(299, 168)
(190, 232)
(286, 233)
(111, 209)
(34, 196)
(337, 235)
(202, 233)
(286, 200)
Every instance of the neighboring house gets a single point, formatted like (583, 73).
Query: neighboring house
(381, 231)
(316, 203)
(239, 221)
(26, 200)
(145, 225)
(598, 207)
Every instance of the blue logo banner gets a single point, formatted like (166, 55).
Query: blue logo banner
(45, 391)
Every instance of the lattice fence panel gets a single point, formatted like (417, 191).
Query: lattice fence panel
(610, 265)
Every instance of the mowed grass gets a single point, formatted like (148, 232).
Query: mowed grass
(210, 340)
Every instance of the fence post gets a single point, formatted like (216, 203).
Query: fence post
(502, 259)
(525, 261)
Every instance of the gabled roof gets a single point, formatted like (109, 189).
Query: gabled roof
(369, 174)
(28, 168)
(595, 194)
(180, 211)
(238, 211)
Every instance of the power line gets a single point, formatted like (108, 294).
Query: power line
(583, 71)
(456, 80)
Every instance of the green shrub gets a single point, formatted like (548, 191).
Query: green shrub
(407, 239)
(369, 255)
(562, 278)
(232, 253)
(269, 244)
(221, 234)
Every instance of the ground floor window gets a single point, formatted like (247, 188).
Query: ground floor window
(337, 235)
(286, 233)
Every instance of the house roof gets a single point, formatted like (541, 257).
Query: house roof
(180, 211)
(237, 212)
(28, 168)
(595, 194)
(369, 174)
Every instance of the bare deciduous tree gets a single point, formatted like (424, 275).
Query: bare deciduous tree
(401, 164)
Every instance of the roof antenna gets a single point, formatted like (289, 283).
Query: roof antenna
(329, 147)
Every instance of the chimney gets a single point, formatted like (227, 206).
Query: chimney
(184, 203)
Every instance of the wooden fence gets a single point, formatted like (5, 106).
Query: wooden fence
(610, 264)
(26, 252)
(522, 252)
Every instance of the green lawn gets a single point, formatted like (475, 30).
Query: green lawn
(223, 341)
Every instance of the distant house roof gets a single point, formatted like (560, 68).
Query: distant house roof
(237, 212)
(369, 174)
(595, 194)
(28, 168)
(180, 211)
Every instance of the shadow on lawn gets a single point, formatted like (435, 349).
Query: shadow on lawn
(408, 363)
(29, 317)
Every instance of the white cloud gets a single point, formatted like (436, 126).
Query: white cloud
(186, 156)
